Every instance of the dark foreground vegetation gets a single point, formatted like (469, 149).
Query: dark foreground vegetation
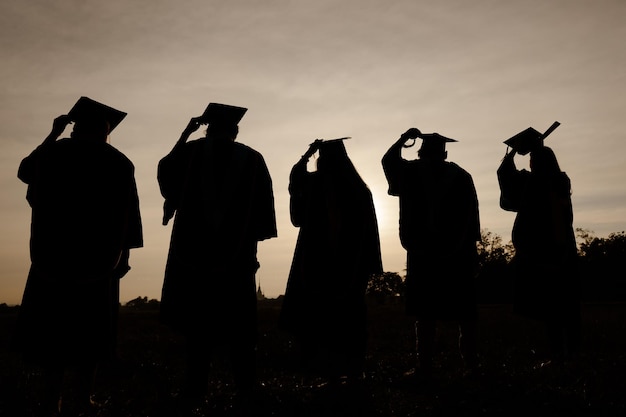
(145, 380)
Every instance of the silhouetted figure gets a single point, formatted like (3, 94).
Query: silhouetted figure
(221, 192)
(439, 228)
(338, 249)
(546, 285)
(85, 219)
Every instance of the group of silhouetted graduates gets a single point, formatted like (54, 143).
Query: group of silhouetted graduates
(85, 220)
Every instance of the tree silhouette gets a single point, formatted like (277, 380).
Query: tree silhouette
(602, 265)
(492, 251)
(385, 285)
(141, 303)
(494, 281)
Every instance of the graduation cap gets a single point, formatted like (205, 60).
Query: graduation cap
(529, 140)
(86, 109)
(435, 139)
(431, 142)
(332, 147)
(217, 113)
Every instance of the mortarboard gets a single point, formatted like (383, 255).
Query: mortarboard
(434, 141)
(530, 139)
(86, 109)
(435, 138)
(332, 147)
(222, 114)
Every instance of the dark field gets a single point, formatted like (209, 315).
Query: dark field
(145, 379)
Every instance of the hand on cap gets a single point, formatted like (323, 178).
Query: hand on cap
(313, 147)
(412, 133)
(192, 126)
(316, 144)
(59, 124)
(508, 156)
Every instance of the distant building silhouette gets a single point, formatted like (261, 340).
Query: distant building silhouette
(259, 293)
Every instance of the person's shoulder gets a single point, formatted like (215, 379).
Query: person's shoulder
(118, 155)
(194, 144)
(243, 148)
(191, 147)
(65, 147)
(456, 167)
(64, 143)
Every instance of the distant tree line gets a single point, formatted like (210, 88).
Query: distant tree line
(602, 269)
(602, 265)
(142, 303)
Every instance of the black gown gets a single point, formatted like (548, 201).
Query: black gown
(439, 228)
(337, 251)
(222, 195)
(546, 284)
(85, 218)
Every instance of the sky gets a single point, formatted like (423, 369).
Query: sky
(478, 71)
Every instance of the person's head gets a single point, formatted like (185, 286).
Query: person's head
(223, 121)
(96, 129)
(336, 169)
(433, 151)
(222, 131)
(543, 161)
(434, 147)
(332, 155)
(94, 120)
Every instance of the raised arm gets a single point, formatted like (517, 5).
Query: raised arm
(192, 126)
(392, 160)
(28, 164)
(297, 178)
(509, 180)
(396, 149)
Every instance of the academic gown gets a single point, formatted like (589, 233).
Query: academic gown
(337, 251)
(439, 228)
(221, 193)
(546, 284)
(85, 218)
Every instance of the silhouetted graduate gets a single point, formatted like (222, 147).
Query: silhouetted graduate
(221, 194)
(338, 249)
(85, 219)
(439, 228)
(546, 286)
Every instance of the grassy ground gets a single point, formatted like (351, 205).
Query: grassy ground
(145, 380)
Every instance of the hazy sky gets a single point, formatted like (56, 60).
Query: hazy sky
(479, 71)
